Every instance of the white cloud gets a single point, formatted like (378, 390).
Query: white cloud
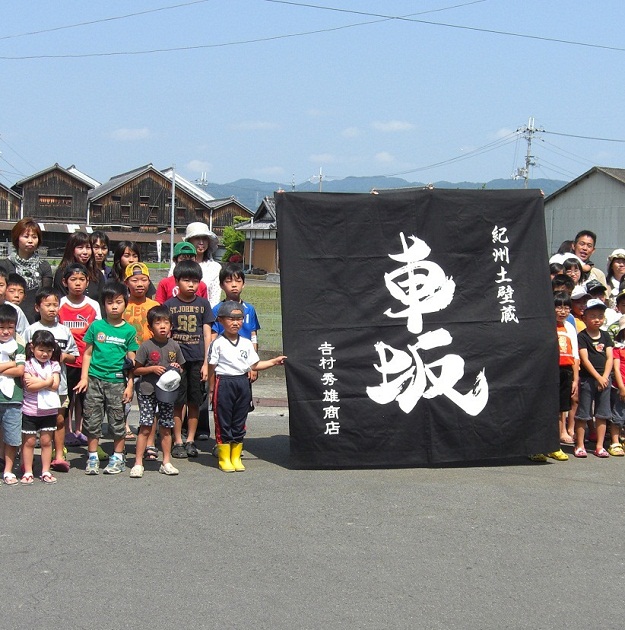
(392, 126)
(124, 134)
(199, 166)
(324, 158)
(384, 157)
(350, 132)
(254, 125)
(269, 171)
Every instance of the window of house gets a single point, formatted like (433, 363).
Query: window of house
(96, 213)
(46, 201)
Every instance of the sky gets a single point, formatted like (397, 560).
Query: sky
(281, 91)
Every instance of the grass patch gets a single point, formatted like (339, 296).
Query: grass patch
(266, 300)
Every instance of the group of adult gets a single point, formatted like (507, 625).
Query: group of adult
(92, 250)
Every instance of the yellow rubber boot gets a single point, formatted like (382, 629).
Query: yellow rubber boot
(223, 452)
(236, 449)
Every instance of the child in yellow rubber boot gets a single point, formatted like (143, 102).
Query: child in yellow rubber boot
(230, 358)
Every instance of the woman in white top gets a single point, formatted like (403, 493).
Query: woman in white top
(206, 243)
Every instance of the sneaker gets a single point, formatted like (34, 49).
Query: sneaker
(178, 451)
(539, 457)
(559, 455)
(93, 466)
(136, 472)
(191, 449)
(115, 466)
(168, 469)
(102, 454)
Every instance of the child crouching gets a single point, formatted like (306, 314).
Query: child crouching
(230, 358)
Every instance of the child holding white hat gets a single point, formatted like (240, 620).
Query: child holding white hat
(157, 362)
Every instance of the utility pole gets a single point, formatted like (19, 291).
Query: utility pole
(528, 132)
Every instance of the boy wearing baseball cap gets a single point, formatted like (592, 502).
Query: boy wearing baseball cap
(595, 355)
(167, 287)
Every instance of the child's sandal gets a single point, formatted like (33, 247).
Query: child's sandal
(151, 454)
(27, 479)
(48, 477)
(9, 479)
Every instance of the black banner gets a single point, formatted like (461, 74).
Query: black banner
(419, 327)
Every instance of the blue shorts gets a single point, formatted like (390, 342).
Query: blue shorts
(590, 393)
(11, 421)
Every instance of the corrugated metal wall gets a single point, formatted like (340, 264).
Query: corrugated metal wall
(595, 203)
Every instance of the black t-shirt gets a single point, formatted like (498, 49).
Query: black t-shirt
(188, 325)
(596, 350)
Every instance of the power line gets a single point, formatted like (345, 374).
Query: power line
(491, 146)
(446, 25)
(202, 46)
(108, 19)
(381, 18)
(570, 135)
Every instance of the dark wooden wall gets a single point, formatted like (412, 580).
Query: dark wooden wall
(55, 196)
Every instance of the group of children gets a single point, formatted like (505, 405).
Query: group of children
(96, 353)
(590, 323)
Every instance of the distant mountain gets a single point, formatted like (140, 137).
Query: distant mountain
(250, 192)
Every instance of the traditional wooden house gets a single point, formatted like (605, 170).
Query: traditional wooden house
(57, 199)
(136, 206)
(10, 205)
(56, 194)
(218, 213)
(261, 238)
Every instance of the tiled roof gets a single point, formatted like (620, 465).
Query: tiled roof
(119, 180)
(188, 186)
(80, 177)
(88, 180)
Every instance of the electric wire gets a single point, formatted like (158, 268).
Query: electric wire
(456, 26)
(491, 146)
(108, 19)
(381, 18)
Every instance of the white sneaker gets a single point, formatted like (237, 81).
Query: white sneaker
(168, 469)
(136, 471)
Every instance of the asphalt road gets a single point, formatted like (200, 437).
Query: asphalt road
(517, 546)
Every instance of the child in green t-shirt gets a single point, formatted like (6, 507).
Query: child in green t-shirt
(109, 342)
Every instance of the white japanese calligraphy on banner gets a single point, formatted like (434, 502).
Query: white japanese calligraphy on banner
(422, 287)
(505, 291)
(331, 395)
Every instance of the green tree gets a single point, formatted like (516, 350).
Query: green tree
(233, 241)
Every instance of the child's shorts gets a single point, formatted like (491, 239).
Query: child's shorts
(590, 393)
(32, 424)
(618, 408)
(147, 410)
(191, 387)
(104, 399)
(566, 387)
(11, 423)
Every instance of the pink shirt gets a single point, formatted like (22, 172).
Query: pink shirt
(29, 406)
